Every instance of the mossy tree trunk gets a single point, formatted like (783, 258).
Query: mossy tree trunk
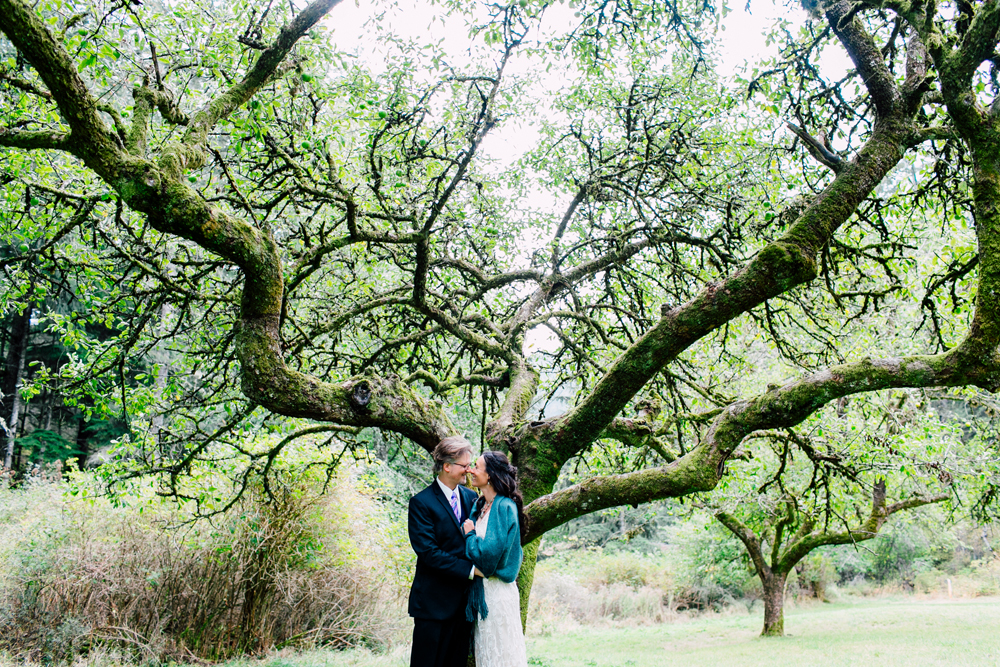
(774, 604)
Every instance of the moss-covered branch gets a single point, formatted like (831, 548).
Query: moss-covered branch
(146, 99)
(270, 59)
(781, 407)
(439, 386)
(641, 431)
(748, 538)
(778, 268)
(40, 140)
(383, 402)
(782, 265)
(817, 149)
(791, 403)
(523, 385)
(798, 549)
(157, 190)
(91, 139)
(488, 282)
(23, 85)
(978, 43)
(690, 474)
(866, 56)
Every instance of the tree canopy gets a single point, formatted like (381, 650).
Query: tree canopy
(305, 240)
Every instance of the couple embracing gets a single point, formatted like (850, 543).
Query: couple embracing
(468, 556)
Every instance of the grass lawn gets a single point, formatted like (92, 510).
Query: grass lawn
(902, 631)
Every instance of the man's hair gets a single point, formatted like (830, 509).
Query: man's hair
(448, 451)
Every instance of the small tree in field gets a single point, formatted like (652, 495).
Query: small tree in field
(826, 487)
(793, 530)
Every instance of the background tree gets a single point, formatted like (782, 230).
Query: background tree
(378, 261)
(783, 509)
(17, 350)
(53, 307)
(803, 535)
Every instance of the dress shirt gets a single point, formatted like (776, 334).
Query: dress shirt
(447, 496)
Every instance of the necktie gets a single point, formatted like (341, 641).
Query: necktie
(454, 505)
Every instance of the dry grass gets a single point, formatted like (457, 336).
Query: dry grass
(622, 589)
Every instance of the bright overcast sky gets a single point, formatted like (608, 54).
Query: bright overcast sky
(742, 40)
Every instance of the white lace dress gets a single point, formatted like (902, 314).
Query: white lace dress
(499, 641)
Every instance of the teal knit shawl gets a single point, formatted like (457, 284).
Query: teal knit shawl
(497, 554)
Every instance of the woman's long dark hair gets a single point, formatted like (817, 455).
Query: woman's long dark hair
(503, 478)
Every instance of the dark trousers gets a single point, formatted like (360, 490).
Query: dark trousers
(441, 643)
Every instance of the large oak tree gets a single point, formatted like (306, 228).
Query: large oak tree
(334, 245)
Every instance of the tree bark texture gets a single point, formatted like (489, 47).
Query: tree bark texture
(774, 604)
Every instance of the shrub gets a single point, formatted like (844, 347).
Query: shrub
(599, 585)
(628, 568)
(928, 581)
(712, 567)
(80, 574)
(815, 573)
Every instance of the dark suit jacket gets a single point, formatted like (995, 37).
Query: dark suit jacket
(441, 582)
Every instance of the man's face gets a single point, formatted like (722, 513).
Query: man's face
(453, 474)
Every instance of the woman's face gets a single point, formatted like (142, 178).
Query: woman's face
(478, 476)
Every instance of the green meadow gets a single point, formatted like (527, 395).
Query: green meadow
(884, 632)
(903, 631)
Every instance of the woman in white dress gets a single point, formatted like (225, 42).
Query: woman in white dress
(493, 544)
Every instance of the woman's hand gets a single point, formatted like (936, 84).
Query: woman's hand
(479, 573)
(469, 527)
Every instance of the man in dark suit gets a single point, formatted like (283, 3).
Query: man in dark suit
(441, 582)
